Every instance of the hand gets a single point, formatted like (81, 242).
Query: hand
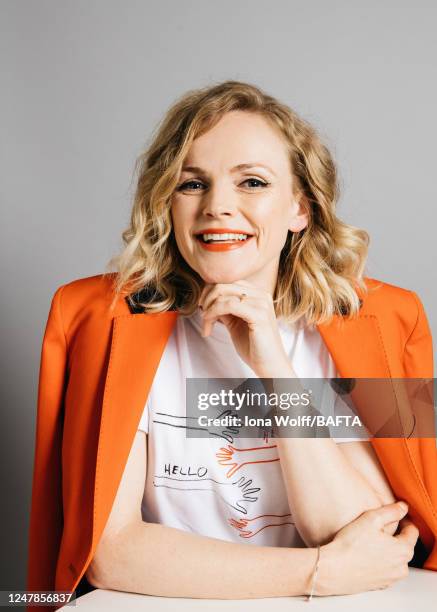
(362, 557)
(251, 323)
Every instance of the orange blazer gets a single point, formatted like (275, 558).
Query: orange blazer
(97, 367)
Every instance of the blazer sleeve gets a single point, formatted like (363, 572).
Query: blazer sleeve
(46, 516)
(419, 363)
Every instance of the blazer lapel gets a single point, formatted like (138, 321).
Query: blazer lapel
(382, 400)
(137, 344)
(357, 350)
(356, 346)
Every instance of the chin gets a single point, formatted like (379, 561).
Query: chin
(226, 276)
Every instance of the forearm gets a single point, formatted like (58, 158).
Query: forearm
(325, 491)
(155, 559)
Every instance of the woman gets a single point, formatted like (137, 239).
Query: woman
(285, 298)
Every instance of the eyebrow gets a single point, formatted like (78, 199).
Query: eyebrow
(244, 166)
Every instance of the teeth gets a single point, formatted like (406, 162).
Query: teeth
(223, 237)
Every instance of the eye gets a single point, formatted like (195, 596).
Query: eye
(255, 180)
(186, 185)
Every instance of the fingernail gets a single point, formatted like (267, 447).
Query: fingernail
(403, 505)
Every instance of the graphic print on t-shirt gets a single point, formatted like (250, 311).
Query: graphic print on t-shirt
(218, 484)
(236, 458)
(183, 422)
(235, 493)
(258, 523)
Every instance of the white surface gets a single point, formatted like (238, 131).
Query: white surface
(417, 592)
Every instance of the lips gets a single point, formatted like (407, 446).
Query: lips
(220, 246)
(221, 230)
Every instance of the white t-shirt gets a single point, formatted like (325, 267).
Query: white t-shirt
(231, 490)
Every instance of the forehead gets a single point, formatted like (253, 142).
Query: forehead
(239, 137)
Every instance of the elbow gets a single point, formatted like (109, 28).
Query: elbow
(94, 575)
(103, 565)
(318, 535)
(321, 533)
(109, 567)
(318, 540)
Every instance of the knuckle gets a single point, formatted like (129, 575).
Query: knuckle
(406, 556)
(400, 572)
(404, 571)
(403, 554)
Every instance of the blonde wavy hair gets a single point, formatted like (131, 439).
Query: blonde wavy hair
(320, 266)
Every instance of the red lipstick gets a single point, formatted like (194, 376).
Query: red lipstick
(222, 246)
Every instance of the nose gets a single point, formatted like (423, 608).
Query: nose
(219, 202)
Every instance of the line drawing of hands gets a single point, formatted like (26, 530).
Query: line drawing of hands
(190, 423)
(236, 458)
(243, 486)
(235, 494)
(229, 432)
(258, 523)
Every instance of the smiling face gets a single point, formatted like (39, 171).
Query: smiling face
(217, 191)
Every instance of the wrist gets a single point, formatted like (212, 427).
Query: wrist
(327, 572)
(279, 370)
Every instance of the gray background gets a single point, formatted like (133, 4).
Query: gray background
(84, 84)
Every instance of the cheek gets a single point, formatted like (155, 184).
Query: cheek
(273, 229)
(182, 222)
(178, 218)
(268, 218)
(183, 215)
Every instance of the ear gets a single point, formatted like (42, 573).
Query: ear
(299, 216)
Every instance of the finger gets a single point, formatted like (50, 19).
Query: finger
(405, 521)
(206, 289)
(208, 293)
(218, 308)
(402, 522)
(388, 513)
(387, 528)
(408, 534)
(214, 289)
(236, 288)
(208, 324)
(223, 289)
(233, 306)
(207, 328)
